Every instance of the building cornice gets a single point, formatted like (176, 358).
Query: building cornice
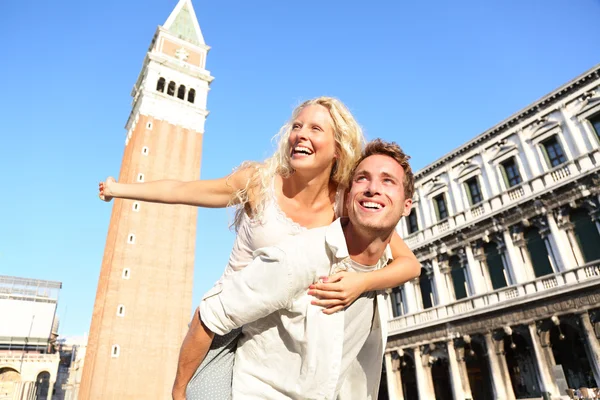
(517, 118)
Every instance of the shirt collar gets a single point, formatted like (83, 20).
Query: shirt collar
(336, 241)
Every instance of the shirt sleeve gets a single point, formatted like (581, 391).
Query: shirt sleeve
(258, 290)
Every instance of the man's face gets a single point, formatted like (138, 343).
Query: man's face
(376, 200)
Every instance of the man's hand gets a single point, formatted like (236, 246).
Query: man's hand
(338, 291)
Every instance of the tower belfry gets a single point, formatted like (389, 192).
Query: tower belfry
(144, 296)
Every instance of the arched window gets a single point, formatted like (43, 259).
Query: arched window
(42, 384)
(181, 92)
(191, 95)
(160, 85)
(171, 89)
(8, 374)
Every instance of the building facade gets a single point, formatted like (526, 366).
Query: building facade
(70, 369)
(28, 330)
(507, 229)
(144, 297)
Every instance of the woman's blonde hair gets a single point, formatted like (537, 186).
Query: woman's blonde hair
(349, 142)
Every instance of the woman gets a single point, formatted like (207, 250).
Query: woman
(300, 187)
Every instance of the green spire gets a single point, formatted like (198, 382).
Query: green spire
(183, 26)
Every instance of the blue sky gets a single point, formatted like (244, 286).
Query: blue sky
(427, 74)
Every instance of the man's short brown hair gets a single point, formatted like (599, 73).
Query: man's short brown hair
(390, 149)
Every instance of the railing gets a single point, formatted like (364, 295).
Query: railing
(504, 200)
(560, 173)
(12, 356)
(413, 240)
(516, 193)
(443, 226)
(477, 211)
(517, 293)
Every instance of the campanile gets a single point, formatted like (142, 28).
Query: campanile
(144, 296)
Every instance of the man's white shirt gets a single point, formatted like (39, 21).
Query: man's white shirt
(290, 348)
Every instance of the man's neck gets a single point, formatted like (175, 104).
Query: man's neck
(365, 247)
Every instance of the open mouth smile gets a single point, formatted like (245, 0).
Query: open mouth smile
(371, 205)
(302, 151)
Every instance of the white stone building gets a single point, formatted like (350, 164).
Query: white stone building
(28, 330)
(507, 230)
(72, 351)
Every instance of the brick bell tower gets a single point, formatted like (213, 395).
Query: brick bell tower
(144, 297)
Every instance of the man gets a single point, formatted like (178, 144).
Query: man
(289, 348)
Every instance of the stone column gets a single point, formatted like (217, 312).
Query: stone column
(427, 211)
(462, 367)
(518, 239)
(472, 269)
(592, 344)
(418, 294)
(50, 390)
(439, 283)
(507, 262)
(563, 221)
(559, 240)
(573, 131)
(541, 222)
(516, 260)
(394, 378)
(29, 392)
(455, 380)
(592, 205)
(411, 297)
(547, 382)
(530, 158)
(454, 196)
(476, 265)
(447, 280)
(501, 382)
(423, 382)
(389, 300)
(492, 177)
(434, 295)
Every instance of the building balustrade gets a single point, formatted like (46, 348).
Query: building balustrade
(528, 189)
(18, 356)
(560, 172)
(520, 293)
(477, 211)
(516, 193)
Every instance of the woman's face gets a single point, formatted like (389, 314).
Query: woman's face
(312, 140)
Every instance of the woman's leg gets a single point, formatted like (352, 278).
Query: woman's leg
(213, 378)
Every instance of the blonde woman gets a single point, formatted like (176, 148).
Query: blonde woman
(300, 187)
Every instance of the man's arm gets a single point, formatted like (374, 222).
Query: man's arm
(266, 285)
(269, 283)
(193, 350)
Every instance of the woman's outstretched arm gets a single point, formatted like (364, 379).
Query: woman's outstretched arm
(340, 290)
(214, 193)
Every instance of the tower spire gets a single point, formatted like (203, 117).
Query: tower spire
(183, 23)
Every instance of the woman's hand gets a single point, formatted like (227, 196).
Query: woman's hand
(337, 291)
(105, 189)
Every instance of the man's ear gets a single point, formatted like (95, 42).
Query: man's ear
(407, 207)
